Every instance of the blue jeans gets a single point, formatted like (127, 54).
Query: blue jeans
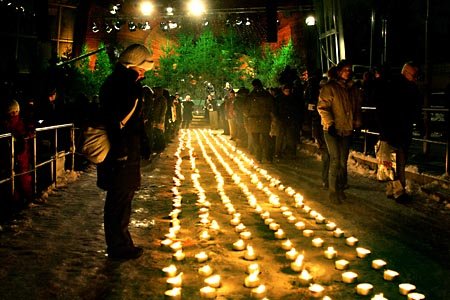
(338, 148)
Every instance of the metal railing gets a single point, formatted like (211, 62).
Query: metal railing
(39, 159)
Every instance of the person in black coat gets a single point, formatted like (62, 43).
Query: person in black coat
(119, 174)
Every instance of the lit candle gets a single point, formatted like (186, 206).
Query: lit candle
(351, 241)
(204, 235)
(362, 252)
(201, 257)
(313, 214)
(317, 242)
(279, 234)
(341, 264)
(265, 215)
(330, 226)
(338, 233)
(320, 219)
(173, 294)
(166, 242)
(379, 297)
(316, 290)
(364, 289)
(213, 281)
(406, 288)
(175, 281)
(297, 264)
(308, 233)
(287, 214)
(245, 235)
(208, 292)
(306, 209)
(176, 246)
(274, 226)
(286, 245)
(378, 264)
(416, 296)
(250, 253)
(206, 270)
(305, 278)
(268, 221)
(292, 254)
(239, 245)
(349, 277)
(390, 275)
(258, 292)
(179, 255)
(300, 225)
(251, 280)
(330, 253)
(253, 268)
(170, 271)
(291, 219)
(235, 221)
(239, 228)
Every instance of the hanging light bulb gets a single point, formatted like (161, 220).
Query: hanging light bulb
(131, 26)
(169, 11)
(117, 25)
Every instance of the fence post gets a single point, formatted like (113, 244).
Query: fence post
(72, 136)
(13, 173)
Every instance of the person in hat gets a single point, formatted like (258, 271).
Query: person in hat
(339, 107)
(119, 174)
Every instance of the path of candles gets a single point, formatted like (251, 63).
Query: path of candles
(275, 226)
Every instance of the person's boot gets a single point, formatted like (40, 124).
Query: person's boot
(333, 197)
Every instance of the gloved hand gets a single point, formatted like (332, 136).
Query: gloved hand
(332, 131)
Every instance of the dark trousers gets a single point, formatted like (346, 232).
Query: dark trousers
(261, 145)
(117, 213)
(338, 149)
(401, 153)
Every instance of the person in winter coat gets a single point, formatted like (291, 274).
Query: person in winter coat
(188, 107)
(23, 133)
(259, 119)
(159, 118)
(339, 107)
(230, 115)
(398, 108)
(119, 174)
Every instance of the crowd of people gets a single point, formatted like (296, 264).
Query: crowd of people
(270, 122)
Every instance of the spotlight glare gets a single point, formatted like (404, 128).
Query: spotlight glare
(196, 7)
(310, 21)
(146, 8)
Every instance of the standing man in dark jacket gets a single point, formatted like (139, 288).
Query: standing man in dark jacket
(397, 111)
(119, 174)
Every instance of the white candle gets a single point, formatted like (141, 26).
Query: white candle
(317, 242)
(250, 253)
(279, 234)
(308, 233)
(286, 245)
(406, 288)
(204, 235)
(239, 228)
(251, 280)
(362, 252)
(378, 264)
(341, 264)
(306, 209)
(338, 233)
(287, 214)
(173, 294)
(258, 292)
(351, 241)
(265, 215)
(349, 277)
(166, 242)
(213, 281)
(291, 219)
(235, 221)
(305, 278)
(239, 245)
(330, 226)
(390, 275)
(274, 226)
(253, 268)
(170, 271)
(364, 289)
(330, 253)
(176, 246)
(245, 235)
(208, 292)
(320, 219)
(176, 281)
(316, 290)
(379, 297)
(416, 296)
(300, 225)
(206, 270)
(297, 264)
(179, 255)
(201, 257)
(292, 254)
(268, 221)
(313, 214)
